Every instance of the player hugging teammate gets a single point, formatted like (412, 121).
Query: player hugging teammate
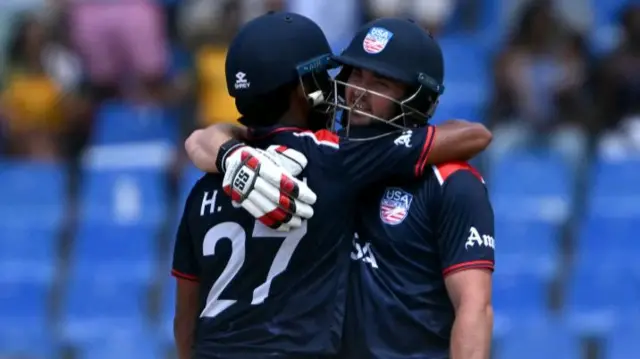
(284, 286)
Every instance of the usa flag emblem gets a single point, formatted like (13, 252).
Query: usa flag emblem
(376, 40)
(395, 205)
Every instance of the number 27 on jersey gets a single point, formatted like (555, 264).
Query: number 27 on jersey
(238, 237)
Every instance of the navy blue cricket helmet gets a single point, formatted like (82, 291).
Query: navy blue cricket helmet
(401, 50)
(269, 57)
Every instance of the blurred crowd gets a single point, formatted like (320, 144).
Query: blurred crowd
(61, 59)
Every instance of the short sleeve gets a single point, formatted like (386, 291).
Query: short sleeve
(185, 262)
(402, 155)
(465, 222)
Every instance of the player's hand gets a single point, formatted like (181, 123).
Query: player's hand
(263, 183)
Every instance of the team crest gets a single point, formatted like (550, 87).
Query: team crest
(376, 40)
(395, 205)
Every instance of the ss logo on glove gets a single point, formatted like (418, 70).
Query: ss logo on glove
(241, 180)
(263, 182)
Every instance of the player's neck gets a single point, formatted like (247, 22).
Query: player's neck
(293, 120)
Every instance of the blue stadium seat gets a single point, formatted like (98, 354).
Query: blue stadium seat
(526, 185)
(607, 12)
(119, 123)
(467, 78)
(465, 60)
(189, 177)
(28, 342)
(610, 233)
(168, 309)
(125, 253)
(611, 262)
(515, 294)
(98, 308)
(28, 251)
(450, 108)
(615, 178)
(597, 300)
(623, 343)
(531, 174)
(138, 345)
(492, 28)
(552, 340)
(127, 196)
(31, 191)
(611, 243)
(23, 304)
(527, 246)
(605, 33)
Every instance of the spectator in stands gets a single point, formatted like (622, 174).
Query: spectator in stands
(250, 9)
(618, 82)
(9, 12)
(122, 43)
(539, 96)
(432, 14)
(33, 103)
(208, 26)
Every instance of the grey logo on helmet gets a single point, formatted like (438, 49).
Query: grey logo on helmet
(241, 81)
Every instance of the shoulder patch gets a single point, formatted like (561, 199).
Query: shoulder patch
(445, 170)
(394, 205)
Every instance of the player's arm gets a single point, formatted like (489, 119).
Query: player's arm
(407, 154)
(466, 244)
(203, 145)
(185, 269)
(458, 140)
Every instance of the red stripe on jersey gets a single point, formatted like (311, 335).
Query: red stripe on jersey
(445, 170)
(426, 149)
(477, 264)
(326, 135)
(185, 276)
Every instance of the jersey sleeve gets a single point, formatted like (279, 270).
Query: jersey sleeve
(185, 262)
(465, 221)
(403, 155)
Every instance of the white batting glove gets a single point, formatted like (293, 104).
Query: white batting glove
(263, 183)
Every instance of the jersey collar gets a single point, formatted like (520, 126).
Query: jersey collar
(260, 133)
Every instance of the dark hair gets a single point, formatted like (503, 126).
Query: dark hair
(16, 47)
(625, 14)
(527, 14)
(265, 110)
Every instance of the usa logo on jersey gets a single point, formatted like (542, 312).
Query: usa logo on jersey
(376, 40)
(395, 205)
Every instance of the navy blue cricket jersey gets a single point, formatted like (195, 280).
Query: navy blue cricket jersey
(411, 236)
(279, 295)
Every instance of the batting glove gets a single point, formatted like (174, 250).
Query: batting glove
(263, 183)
